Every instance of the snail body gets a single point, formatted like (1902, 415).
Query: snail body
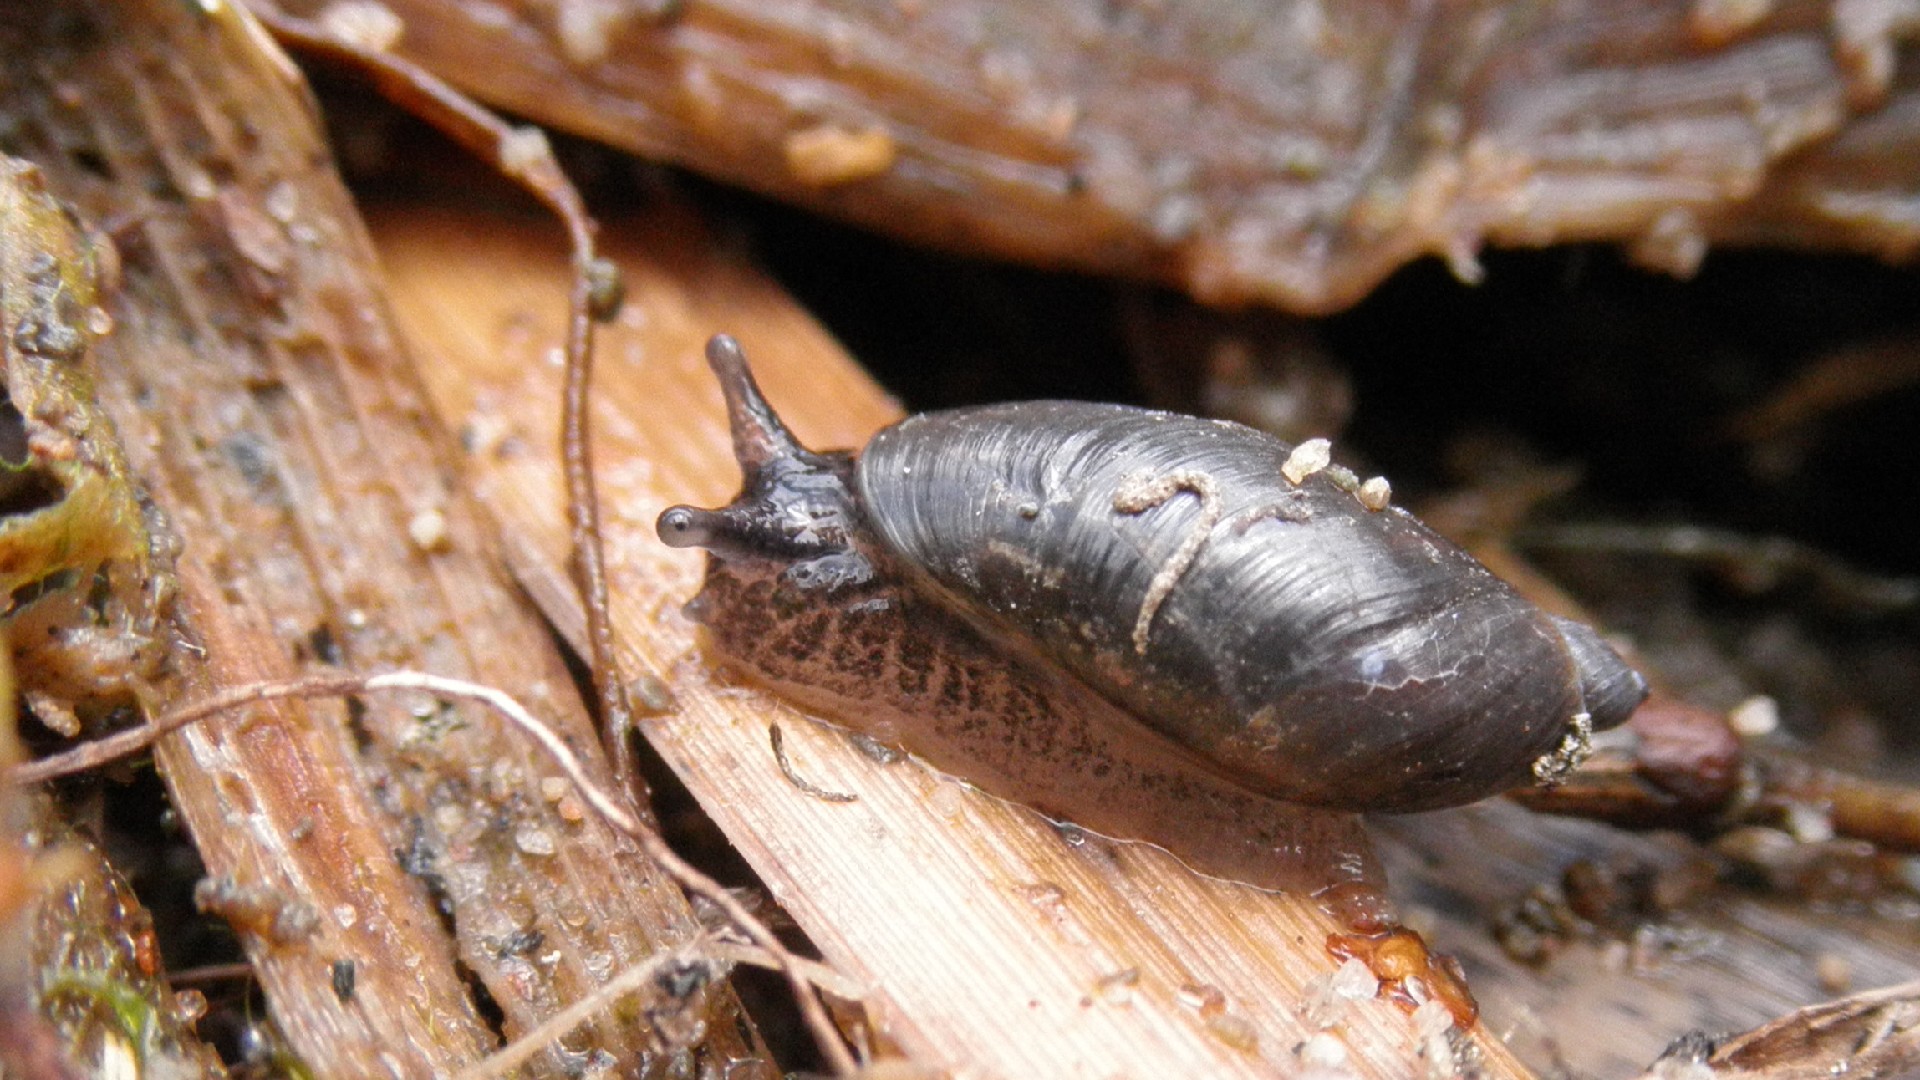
(1155, 626)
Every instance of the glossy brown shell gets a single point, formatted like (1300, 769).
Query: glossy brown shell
(1314, 650)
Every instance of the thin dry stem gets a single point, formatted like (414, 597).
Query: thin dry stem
(822, 976)
(605, 803)
(113, 747)
(521, 1050)
(523, 156)
(208, 974)
(815, 1014)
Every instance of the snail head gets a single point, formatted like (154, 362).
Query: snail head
(794, 506)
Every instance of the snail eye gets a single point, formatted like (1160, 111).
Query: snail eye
(686, 526)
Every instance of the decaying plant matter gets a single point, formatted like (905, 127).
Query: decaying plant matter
(1293, 153)
(416, 881)
(310, 522)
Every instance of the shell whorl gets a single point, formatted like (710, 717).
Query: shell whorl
(1311, 648)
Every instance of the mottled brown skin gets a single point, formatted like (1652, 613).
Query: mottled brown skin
(900, 669)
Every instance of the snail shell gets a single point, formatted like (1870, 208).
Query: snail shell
(1148, 590)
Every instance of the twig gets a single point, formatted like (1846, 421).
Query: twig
(778, 740)
(1757, 563)
(605, 803)
(1839, 380)
(1884, 814)
(524, 156)
(822, 976)
(113, 747)
(210, 973)
(521, 1050)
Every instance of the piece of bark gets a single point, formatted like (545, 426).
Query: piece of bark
(272, 415)
(74, 545)
(81, 984)
(1666, 945)
(1872, 1034)
(1292, 153)
(992, 943)
(1604, 999)
(1858, 190)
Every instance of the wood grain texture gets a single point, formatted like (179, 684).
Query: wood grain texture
(271, 415)
(1292, 152)
(993, 943)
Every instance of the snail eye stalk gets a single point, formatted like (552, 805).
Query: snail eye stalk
(689, 526)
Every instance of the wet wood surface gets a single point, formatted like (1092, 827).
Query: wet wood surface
(315, 520)
(1292, 153)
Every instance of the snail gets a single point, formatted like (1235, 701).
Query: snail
(1156, 627)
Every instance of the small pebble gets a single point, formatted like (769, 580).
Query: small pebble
(1307, 458)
